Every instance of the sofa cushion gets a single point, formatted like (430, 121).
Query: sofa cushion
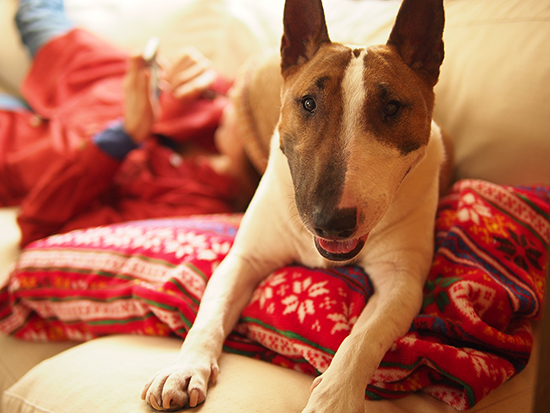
(493, 96)
(101, 376)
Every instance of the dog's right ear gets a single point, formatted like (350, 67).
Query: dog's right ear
(305, 30)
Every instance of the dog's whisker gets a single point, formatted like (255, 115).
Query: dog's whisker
(295, 220)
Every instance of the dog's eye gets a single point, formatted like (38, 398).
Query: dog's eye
(392, 108)
(309, 104)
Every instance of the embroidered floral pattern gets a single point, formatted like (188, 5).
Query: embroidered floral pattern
(470, 210)
(520, 249)
(472, 334)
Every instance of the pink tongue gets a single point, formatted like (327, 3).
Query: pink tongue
(338, 247)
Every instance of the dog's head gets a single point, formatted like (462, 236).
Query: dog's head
(355, 120)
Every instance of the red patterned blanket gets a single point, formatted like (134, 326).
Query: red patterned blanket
(147, 277)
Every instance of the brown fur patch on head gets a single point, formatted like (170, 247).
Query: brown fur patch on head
(399, 105)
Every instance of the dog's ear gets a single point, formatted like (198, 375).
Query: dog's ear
(305, 30)
(418, 36)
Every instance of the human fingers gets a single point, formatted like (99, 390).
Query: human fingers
(193, 87)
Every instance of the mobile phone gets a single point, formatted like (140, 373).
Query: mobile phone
(149, 56)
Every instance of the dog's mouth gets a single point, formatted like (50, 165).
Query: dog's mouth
(335, 250)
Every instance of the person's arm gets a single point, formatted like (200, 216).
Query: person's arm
(71, 186)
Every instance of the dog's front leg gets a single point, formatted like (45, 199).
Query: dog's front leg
(397, 258)
(387, 316)
(259, 249)
(185, 382)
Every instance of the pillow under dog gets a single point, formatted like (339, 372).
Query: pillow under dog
(147, 278)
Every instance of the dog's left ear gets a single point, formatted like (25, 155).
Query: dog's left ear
(418, 36)
(305, 30)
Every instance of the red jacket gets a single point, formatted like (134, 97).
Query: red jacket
(63, 181)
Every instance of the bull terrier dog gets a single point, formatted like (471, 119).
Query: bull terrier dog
(352, 176)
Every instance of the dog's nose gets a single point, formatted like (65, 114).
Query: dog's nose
(340, 224)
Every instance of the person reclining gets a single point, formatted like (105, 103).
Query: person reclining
(88, 147)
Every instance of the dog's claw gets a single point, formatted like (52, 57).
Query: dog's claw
(315, 383)
(166, 402)
(214, 375)
(194, 398)
(154, 403)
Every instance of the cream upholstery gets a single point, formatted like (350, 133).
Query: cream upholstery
(493, 99)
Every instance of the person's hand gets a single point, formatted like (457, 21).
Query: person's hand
(186, 80)
(139, 111)
(190, 76)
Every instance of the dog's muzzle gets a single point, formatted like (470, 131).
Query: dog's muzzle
(340, 250)
(333, 233)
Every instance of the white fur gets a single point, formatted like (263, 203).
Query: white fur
(396, 256)
(354, 93)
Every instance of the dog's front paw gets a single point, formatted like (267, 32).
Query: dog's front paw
(180, 385)
(334, 397)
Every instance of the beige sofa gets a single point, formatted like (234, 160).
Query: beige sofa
(493, 99)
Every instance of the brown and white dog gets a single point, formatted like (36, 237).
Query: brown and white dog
(352, 176)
